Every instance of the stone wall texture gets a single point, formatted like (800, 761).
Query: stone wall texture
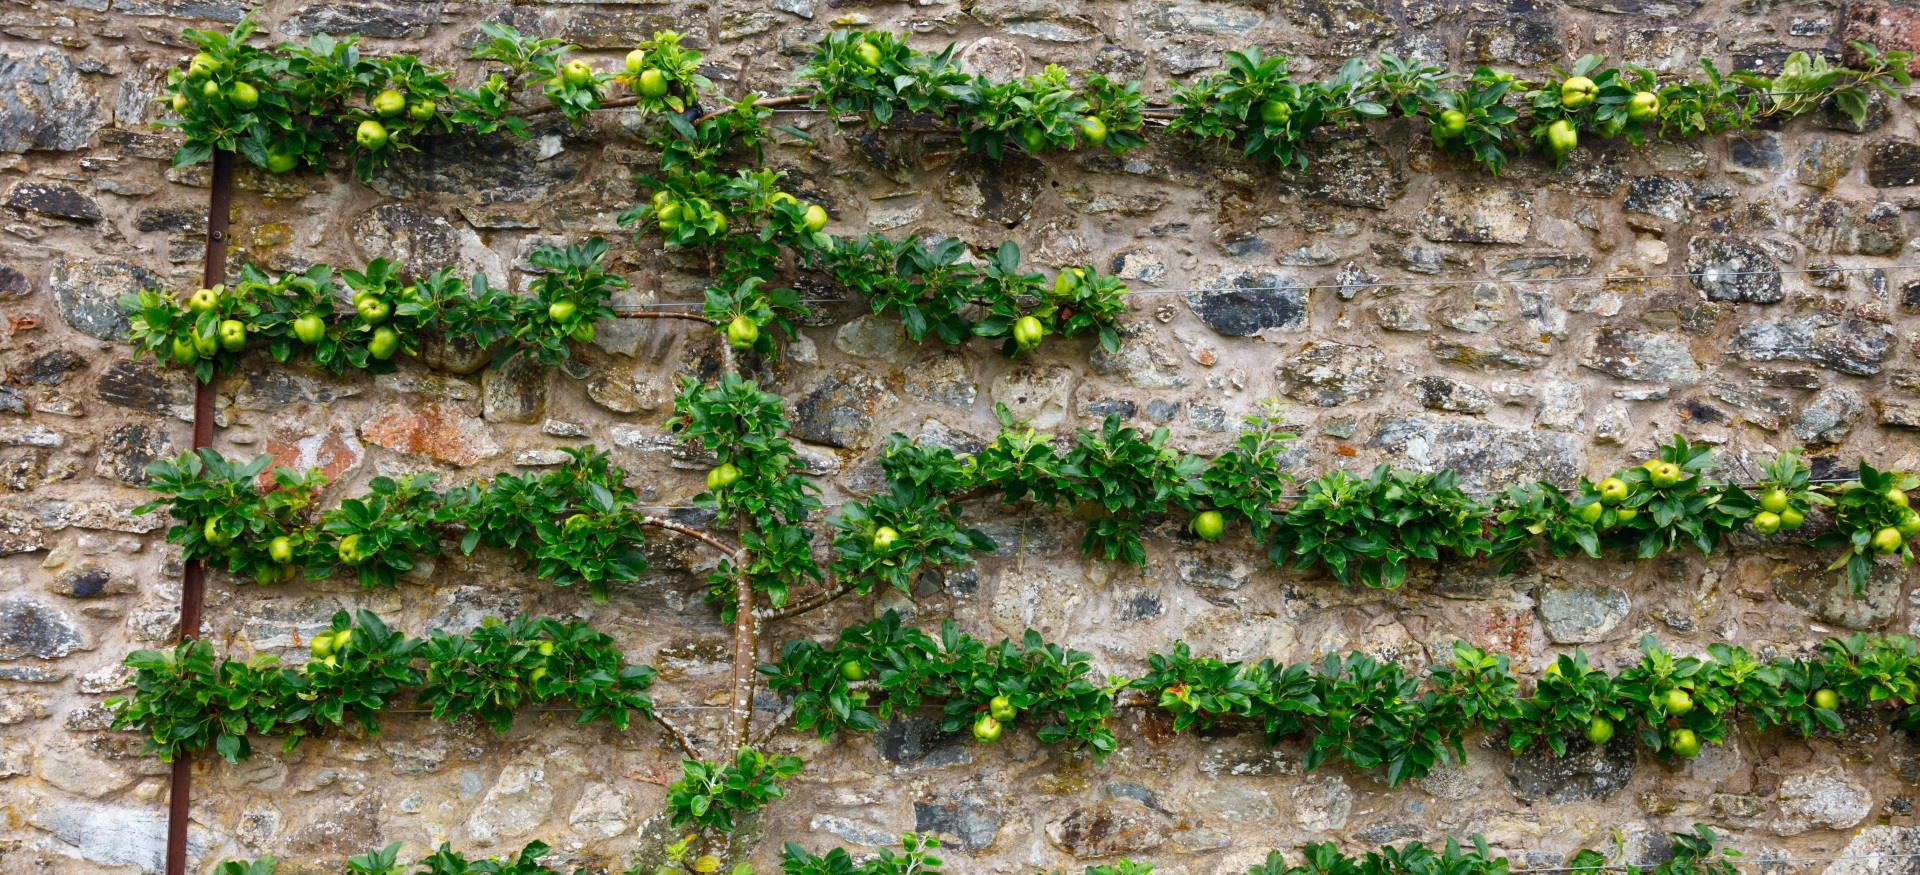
(1501, 380)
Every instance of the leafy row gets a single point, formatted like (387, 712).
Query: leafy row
(574, 523)
(1487, 114)
(1370, 713)
(1367, 529)
(981, 686)
(281, 107)
(185, 699)
(1693, 853)
(1352, 708)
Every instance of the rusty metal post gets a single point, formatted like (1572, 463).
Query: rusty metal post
(193, 583)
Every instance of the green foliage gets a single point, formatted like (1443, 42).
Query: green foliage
(1864, 509)
(906, 667)
(710, 795)
(1249, 479)
(184, 699)
(916, 858)
(1370, 529)
(1128, 476)
(573, 523)
(878, 74)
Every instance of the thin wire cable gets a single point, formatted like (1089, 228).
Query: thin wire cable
(1619, 278)
(1758, 861)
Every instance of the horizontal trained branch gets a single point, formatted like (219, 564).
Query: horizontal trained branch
(184, 699)
(1353, 708)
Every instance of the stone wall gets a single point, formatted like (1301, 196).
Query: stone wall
(1501, 380)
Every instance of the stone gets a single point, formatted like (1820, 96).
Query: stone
(126, 450)
(419, 242)
(1731, 269)
(1563, 406)
(48, 369)
(1824, 162)
(1586, 772)
(992, 192)
(1848, 344)
(1828, 418)
(88, 294)
(1845, 227)
(1826, 594)
(1477, 213)
(29, 628)
(276, 389)
(1582, 614)
(1322, 804)
(1629, 354)
(965, 821)
(604, 811)
(87, 581)
(1893, 164)
(45, 106)
(459, 355)
(1346, 167)
(1039, 395)
(1141, 361)
(839, 411)
(1487, 456)
(18, 707)
(1826, 799)
(515, 806)
(873, 336)
(1484, 355)
(52, 199)
(1897, 414)
(919, 742)
(1640, 8)
(1326, 373)
(1244, 303)
(1867, 851)
(1759, 150)
(516, 391)
(1109, 829)
(1453, 396)
(942, 378)
(112, 835)
(491, 168)
(1661, 197)
(433, 430)
(1523, 40)
(74, 769)
(1212, 570)
(377, 19)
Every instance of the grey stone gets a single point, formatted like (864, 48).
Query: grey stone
(52, 199)
(215, 10)
(140, 384)
(29, 628)
(1244, 303)
(1109, 829)
(1640, 355)
(13, 283)
(1878, 113)
(48, 369)
(112, 835)
(378, 19)
(1867, 852)
(1322, 804)
(1824, 162)
(994, 192)
(19, 707)
(1445, 393)
(1249, 763)
(942, 378)
(1563, 406)
(972, 823)
(126, 450)
(418, 241)
(1515, 39)
(88, 581)
(1212, 570)
(1897, 414)
(1826, 799)
(839, 411)
(1582, 614)
(1826, 594)
(1586, 772)
(1893, 164)
(1487, 456)
(1141, 361)
(1844, 227)
(1640, 8)
(490, 168)
(456, 355)
(45, 106)
(918, 742)
(1731, 269)
(88, 294)
(1484, 355)
(516, 391)
(515, 806)
(1346, 167)
(1039, 395)
(71, 768)
(1759, 150)
(276, 389)
(1848, 344)
(1325, 373)
(1661, 197)
(1828, 418)
(1477, 213)
(872, 336)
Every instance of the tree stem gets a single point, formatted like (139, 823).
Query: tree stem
(678, 734)
(691, 532)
